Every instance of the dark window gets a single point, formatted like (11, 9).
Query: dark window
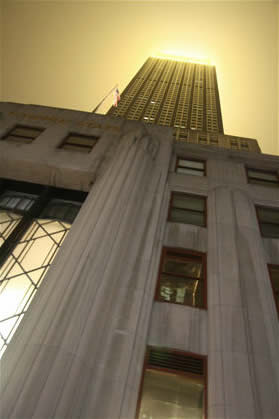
(190, 167)
(262, 177)
(268, 221)
(187, 209)
(274, 277)
(234, 143)
(34, 221)
(23, 134)
(78, 142)
(182, 277)
(173, 385)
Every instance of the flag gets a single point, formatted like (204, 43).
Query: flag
(116, 97)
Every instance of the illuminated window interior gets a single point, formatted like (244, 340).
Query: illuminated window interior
(174, 386)
(182, 278)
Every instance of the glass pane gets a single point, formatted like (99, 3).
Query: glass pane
(274, 274)
(76, 148)
(262, 175)
(171, 396)
(8, 222)
(75, 139)
(188, 202)
(180, 267)
(191, 163)
(264, 183)
(16, 200)
(25, 269)
(270, 230)
(275, 281)
(181, 291)
(26, 132)
(23, 140)
(61, 210)
(187, 217)
(189, 172)
(268, 215)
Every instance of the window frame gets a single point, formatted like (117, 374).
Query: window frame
(44, 195)
(269, 267)
(188, 194)
(79, 147)
(191, 168)
(265, 182)
(274, 209)
(172, 371)
(28, 140)
(188, 253)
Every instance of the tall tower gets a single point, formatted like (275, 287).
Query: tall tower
(183, 95)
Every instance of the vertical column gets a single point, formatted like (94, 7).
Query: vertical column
(261, 321)
(71, 356)
(230, 390)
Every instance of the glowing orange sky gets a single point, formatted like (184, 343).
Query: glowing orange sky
(70, 54)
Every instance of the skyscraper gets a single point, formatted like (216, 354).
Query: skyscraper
(175, 94)
(163, 301)
(179, 94)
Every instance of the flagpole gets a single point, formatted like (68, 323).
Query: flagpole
(102, 101)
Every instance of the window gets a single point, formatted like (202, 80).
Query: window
(190, 167)
(78, 142)
(262, 177)
(34, 221)
(274, 277)
(173, 385)
(268, 221)
(182, 277)
(187, 209)
(23, 134)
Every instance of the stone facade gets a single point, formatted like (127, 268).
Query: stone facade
(79, 351)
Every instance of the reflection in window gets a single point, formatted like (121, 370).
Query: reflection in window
(173, 386)
(23, 134)
(187, 209)
(24, 268)
(263, 177)
(78, 142)
(182, 278)
(190, 167)
(268, 221)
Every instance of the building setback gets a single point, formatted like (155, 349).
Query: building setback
(163, 300)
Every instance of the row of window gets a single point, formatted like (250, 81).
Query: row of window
(191, 209)
(77, 142)
(256, 176)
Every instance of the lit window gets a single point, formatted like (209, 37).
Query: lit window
(190, 167)
(268, 221)
(187, 209)
(174, 385)
(274, 277)
(182, 278)
(263, 177)
(23, 134)
(34, 221)
(78, 142)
